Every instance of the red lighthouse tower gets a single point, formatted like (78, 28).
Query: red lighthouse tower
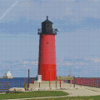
(47, 53)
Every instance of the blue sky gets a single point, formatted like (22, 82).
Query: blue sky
(77, 42)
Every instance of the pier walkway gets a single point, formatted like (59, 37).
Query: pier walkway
(73, 92)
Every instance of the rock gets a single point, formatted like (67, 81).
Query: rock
(16, 89)
(63, 88)
(50, 88)
(28, 89)
(32, 89)
(35, 89)
(3, 93)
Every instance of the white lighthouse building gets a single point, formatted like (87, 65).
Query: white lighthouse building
(7, 75)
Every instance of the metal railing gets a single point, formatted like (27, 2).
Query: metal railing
(53, 31)
(31, 80)
(93, 82)
(4, 86)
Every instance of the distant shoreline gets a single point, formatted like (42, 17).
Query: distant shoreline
(5, 78)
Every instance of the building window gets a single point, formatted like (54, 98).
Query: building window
(47, 42)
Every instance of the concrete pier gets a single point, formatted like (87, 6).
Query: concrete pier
(49, 85)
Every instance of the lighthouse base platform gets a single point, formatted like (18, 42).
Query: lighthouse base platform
(47, 85)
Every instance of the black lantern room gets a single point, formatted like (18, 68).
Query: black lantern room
(47, 28)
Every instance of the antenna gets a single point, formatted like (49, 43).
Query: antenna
(47, 17)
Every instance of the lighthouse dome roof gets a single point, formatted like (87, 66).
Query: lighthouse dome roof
(47, 21)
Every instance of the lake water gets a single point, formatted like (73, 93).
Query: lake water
(15, 82)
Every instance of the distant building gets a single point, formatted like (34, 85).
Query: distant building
(7, 75)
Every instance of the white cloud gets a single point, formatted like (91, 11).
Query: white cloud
(24, 65)
(25, 62)
(68, 10)
(76, 67)
(25, 5)
(96, 1)
(83, 63)
(89, 9)
(68, 64)
(61, 60)
(75, 63)
(80, 63)
(87, 58)
(96, 60)
(35, 62)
